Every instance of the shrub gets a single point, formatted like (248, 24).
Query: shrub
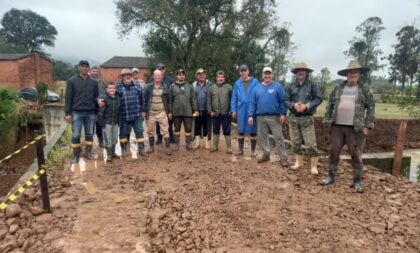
(42, 89)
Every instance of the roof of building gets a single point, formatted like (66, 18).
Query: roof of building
(13, 57)
(125, 62)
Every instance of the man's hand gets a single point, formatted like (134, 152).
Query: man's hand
(170, 116)
(300, 107)
(212, 114)
(282, 119)
(365, 131)
(101, 102)
(69, 118)
(143, 114)
(234, 115)
(251, 121)
(196, 114)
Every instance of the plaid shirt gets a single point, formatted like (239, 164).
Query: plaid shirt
(132, 100)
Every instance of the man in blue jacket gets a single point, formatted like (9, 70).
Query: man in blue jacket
(239, 107)
(267, 103)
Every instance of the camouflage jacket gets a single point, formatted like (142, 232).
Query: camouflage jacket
(364, 114)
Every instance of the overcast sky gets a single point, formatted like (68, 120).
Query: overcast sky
(321, 29)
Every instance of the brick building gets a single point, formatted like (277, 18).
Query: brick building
(111, 69)
(25, 70)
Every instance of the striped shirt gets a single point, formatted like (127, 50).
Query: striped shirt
(132, 100)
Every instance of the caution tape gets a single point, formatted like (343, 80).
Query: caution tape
(22, 188)
(24, 147)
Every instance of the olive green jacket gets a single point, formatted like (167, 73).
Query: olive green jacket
(182, 100)
(364, 114)
(218, 98)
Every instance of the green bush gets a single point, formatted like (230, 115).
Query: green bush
(42, 89)
(9, 117)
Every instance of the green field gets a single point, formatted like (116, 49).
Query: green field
(383, 111)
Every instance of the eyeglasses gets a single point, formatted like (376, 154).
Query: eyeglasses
(161, 68)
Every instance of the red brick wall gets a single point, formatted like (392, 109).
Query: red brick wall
(26, 72)
(113, 74)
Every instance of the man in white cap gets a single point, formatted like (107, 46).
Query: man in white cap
(137, 79)
(303, 96)
(350, 114)
(267, 103)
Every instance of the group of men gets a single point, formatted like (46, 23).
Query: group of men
(258, 108)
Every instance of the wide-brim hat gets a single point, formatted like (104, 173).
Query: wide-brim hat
(353, 65)
(199, 71)
(301, 66)
(126, 72)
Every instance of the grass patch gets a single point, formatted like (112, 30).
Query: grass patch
(383, 111)
(60, 152)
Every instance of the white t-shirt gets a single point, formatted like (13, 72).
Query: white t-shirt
(347, 105)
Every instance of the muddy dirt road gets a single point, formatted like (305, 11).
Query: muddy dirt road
(212, 202)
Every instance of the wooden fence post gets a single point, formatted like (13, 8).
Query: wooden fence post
(399, 148)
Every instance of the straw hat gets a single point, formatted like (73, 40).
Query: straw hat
(126, 72)
(199, 71)
(301, 66)
(353, 65)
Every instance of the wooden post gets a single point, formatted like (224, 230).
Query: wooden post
(399, 147)
(43, 177)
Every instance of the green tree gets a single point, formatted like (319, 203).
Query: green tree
(63, 70)
(28, 29)
(208, 34)
(366, 48)
(8, 48)
(323, 79)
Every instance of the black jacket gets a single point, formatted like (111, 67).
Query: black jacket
(308, 93)
(148, 95)
(81, 95)
(111, 112)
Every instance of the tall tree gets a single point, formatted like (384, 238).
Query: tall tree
(323, 79)
(28, 29)
(63, 70)
(366, 48)
(405, 61)
(9, 48)
(209, 34)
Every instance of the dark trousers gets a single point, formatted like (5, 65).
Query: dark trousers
(99, 133)
(224, 121)
(202, 125)
(170, 129)
(187, 124)
(341, 135)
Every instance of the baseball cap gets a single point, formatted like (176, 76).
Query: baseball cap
(160, 65)
(243, 67)
(200, 70)
(180, 70)
(135, 70)
(83, 62)
(267, 69)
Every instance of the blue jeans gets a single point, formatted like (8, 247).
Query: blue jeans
(126, 126)
(86, 120)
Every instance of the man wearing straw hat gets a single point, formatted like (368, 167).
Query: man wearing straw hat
(350, 114)
(302, 98)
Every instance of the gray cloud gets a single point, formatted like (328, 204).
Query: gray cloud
(321, 29)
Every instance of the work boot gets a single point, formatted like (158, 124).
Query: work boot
(357, 181)
(330, 179)
(151, 145)
(168, 150)
(188, 142)
(114, 155)
(159, 140)
(176, 147)
(241, 143)
(207, 143)
(215, 143)
(298, 162)
(124, 147)
(253, 148)
(88, 152)
(314, 165)
(228, 140)
(264, 158)
(141, 149)
(76, 155)
(285, 162)
(196, 143)
(109, 154)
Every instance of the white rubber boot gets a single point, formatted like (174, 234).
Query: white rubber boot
(298, 163)
(196, 143)
(314, 165)
(207, 144)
